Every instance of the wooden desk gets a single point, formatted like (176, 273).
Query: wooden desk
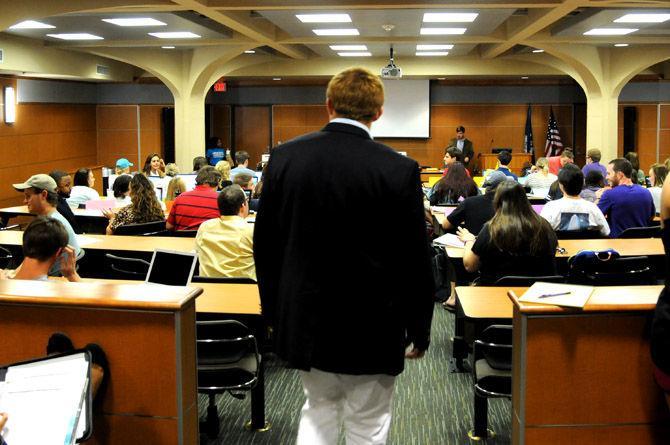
(149, 339)
(585, 376)
(490, 161)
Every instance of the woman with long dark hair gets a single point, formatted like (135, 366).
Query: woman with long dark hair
(517, 241)
(144, 206)
(154, 166)
(82, 190)
(455, 186)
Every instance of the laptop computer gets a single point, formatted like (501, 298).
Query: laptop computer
(171, 267)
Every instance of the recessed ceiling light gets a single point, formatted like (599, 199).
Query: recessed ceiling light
(449, 17)
(349, 47)
(276, 78)
(138, 21)
(643, 18)
(524, 77)
(537, 51)
(441, 78)
(175, 35)
(621, 45)
(433, 47)
(609, 31)
(355, 54)
(31, 24)
(167, 47)
(336, 32)
(250, 51)
(324, 18)
(432, 53)
(442, 31)
(76, 36)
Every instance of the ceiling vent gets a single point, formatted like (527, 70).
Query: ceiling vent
(102, 70)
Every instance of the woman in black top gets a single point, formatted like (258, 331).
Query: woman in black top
(454, 187)
(517, 241)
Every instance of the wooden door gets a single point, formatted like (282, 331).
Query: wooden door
(252, 131)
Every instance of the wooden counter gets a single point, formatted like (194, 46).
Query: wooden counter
(148, 334)
(585, 376)
(490, 161)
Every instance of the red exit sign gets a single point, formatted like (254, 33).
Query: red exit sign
(220, 86)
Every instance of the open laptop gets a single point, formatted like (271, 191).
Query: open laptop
(171, 267)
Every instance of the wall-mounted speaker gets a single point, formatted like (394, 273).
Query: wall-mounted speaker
(629, 129)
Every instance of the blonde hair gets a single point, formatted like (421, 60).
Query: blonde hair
(543, 165)
(121, 171)
(356, 93)
(223, 167)
(171, 170)
(175, 187)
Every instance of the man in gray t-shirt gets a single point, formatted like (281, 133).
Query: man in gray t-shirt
(41, 197)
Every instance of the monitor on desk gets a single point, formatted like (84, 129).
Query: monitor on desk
(499, 150)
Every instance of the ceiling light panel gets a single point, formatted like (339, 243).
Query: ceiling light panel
(449, 17)
(355, 54)
(324, 18)
(621, 45)
(336, 32)
(175, 35)
(432, 53)
(537, 51)
(442, 31)
(643, 18)
(75, 36)
(433, 47)
(609, 31)
(349, 47)
(31, 24)
(138, 21)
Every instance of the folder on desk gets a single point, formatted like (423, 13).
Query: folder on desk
(48, 400)
(557, 294)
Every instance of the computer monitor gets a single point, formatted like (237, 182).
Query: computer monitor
(171, 267)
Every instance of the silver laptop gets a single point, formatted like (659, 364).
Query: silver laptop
(171, 267)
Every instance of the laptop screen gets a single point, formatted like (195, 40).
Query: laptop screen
(171, 268)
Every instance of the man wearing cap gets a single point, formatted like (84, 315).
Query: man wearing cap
(41, 197)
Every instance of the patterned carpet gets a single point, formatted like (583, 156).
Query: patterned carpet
(431, 406)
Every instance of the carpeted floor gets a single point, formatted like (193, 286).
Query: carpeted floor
(431, 405)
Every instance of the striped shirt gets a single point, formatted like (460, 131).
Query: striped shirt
(190, 209)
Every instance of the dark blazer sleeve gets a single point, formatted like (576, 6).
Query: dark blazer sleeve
(414, 243)
(468, 150)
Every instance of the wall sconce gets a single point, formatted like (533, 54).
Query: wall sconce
(10, 105)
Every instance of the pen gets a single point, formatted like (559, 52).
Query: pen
(554, 295)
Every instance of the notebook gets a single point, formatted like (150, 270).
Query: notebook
(556, 294)
(171, 267)
(449, 239)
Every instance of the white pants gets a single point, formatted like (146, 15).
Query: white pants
(361, 402)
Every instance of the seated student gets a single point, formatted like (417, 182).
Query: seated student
(593, 163)
(63, 187)
(198, 163)
(154, 166)
(454, 187)
(190, 209)
(246, 182)
(121, 189)
(623, 203)
(452, 155)
(593, 181)
(504, 158)
(122, 167)
(144, 206)
(242, 161)
(474, 211)
(638, 174)
(223, 167)
(657, 174)
(39, 194)
(540, 180)
(571, 212)
(44, 241)
(558, 162)
(517, 241)
(225, 244)
(83, 188)
(176, 186)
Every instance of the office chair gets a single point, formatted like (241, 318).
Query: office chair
(519, 281)
(641, 232)
(492, 374)
(228, 361)
(146, 229)
(127, 268)
(619, 271)
(578, 234)
(233, 280)
(184, 233)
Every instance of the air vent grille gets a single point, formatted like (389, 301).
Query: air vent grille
(102, 70)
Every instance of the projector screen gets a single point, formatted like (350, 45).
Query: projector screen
(406, 110)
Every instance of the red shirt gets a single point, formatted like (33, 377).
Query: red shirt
(190, 209)
(554, 164)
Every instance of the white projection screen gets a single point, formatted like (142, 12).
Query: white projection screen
(406, 110)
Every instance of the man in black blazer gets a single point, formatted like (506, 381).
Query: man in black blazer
(462, 144)
(346, 292)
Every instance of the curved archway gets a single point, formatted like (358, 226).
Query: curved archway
(637, 64)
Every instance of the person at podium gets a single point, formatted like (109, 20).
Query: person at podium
(462, 144)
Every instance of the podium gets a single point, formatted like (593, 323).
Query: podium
(490, 161)
(148, 334)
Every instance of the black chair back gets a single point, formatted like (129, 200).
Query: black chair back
(620, 271)
(641, 232)
(519, 281)
(184, 233)
(234, 280)
(578, 234)
(148, 229)
(126, 268)
(5, 258)
(495, 346)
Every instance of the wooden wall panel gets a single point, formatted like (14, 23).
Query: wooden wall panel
(151, 131)
(252, 131)
(220, 120)
(646, 133)
(45, 137)
(487, 126)
(117, 134)
(664, 148)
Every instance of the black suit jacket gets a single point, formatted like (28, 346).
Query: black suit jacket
(342, 254)
(468, 149)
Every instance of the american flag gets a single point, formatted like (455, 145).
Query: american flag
(553, 146)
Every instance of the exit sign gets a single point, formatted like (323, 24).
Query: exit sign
(220, 86)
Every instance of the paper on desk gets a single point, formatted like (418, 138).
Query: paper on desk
(449, 239)
(86, 240)
(43, 400)
(577, 296)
